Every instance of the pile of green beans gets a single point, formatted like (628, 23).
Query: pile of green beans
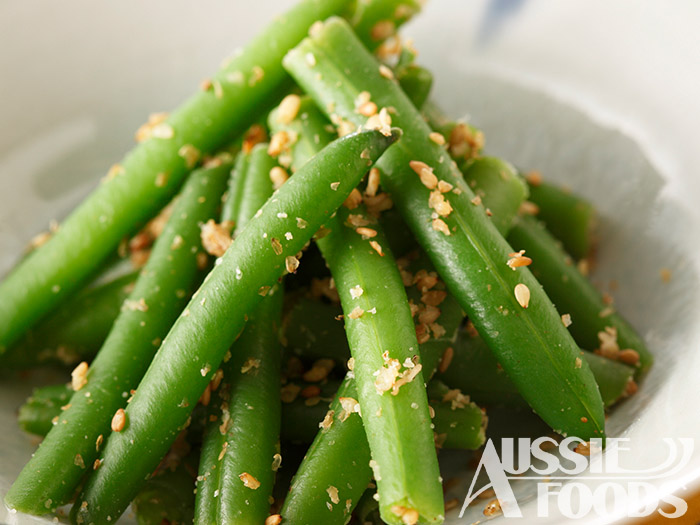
(441, 283)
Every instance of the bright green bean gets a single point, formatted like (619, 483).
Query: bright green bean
(574, 294)
(152, 172)
(50, 478)
(198, 340)
(571, 219)
(416, 82)
(527, 335)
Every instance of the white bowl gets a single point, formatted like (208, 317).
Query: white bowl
(599, 96)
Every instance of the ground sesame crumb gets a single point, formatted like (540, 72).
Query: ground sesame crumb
(79, 376)
(119, 420)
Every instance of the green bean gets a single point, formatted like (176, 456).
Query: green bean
(459, 422)
(571, 219)
(382, 338)
(416, 82)
(302, 414)
(42, 406)
(374, 21)
(476, 372)
(378, 321)
(591, 318)
(500, 187)
(461, 427)
(198, 340)
(464, 141)
(168, 497)
(71, 447)
(230, 207)
(525, 331)
(237, 465)
(368, 509)
(311, 330)
(152, 172)
(75, 331)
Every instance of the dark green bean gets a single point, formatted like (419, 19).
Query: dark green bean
(37, 413)
(75, 331)
(197, 342)
(476, 372)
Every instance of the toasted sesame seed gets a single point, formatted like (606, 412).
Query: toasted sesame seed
(377, 248)
(356, 313)
(289, 392)
(438, 202)
(356, 291)
(353, 200)
(335, 186)
(380, 122)
(578, 363)
(118, 420)
(665, 275)
(367, 233)
(534, 178)
(98, 442)
(441, 226)
(276, 462)
(78, 461)
(278, 143)
(278, 176)
(257, 74)
(276, 246)
(492, 508)
(301, 223)
(529, 208)
(79, 376)
(386, 72)
(263, 290)
(437, 138)
(291, 263)
(372, 182)
(566, 320)
(444, 186)
(518, 260)
(190, 154)
(274, 519)
(327, 421)
(333, 494)
(629, 356)
(216, 238)
(288, 109)
(383, 30)
(319, 370)
(522, 295)
(446, 359)
(249, 481)
(310, 59)
(425, 172)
